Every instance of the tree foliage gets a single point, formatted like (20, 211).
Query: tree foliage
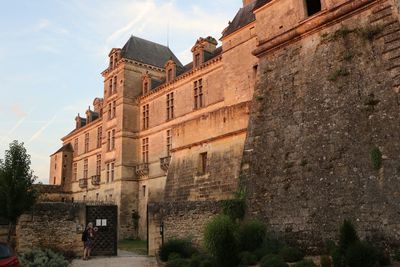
(17, 194)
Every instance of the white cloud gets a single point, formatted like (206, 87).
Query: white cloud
(38, 133)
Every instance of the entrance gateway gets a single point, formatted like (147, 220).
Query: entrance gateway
(105, 218)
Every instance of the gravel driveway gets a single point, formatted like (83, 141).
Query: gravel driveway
(124, 260)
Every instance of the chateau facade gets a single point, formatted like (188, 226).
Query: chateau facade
(289, 108)
(155, 112)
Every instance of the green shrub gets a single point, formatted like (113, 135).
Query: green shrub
(271, 245)
(251, 235)
(383, 258)
(219, 239)
(234, 208)
(178, 263)
(348, 236)
(42, 258)
(305, 263)
(361, 254)
(338, 259)
(202, 260)
(174, 256)
(182, 247)
(329, 247)
(290, 254)
(272, 261)
(396, 255)
(326, 261)
(247, 258)
(376, 158)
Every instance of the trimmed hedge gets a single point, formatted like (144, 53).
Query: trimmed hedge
(183, 247)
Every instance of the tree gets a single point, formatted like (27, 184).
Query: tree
(17, 193)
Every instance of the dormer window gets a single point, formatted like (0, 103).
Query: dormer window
(170, 69)
(313, 7)
(202, 49)
(146, 84)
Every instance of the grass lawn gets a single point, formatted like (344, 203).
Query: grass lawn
(133, 245)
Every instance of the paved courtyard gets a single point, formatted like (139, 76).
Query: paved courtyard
(125, 259)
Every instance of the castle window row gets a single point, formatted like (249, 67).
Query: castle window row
(87, 141)
(198, 103)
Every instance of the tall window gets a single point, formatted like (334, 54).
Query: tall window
(112, 139)
(145, 150)
(85, 169)
(198, 94)
(110, 87)
(197, 61)
(145, 114)
(111, 61)
(98, 164)
(202, 163)
(86, 142)
(99, 136)
(110, 172)
(113, 109)
(145, 87)
(115, 85)
(75, 171)
(170, 106)
(313, 7)
(169, 78)
(109, 111)
(169, 142)
(76, 146)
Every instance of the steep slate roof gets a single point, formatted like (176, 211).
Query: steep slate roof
(64, 148)
(148, 52)
(260, 3)
(244, 17)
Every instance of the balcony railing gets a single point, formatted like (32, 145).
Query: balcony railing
(96, 180)
(164, 163)
(142, 169)
(83, 183)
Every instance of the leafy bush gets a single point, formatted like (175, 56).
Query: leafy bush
(247, 258)
(271, 245)
(183, 247)
(174, 256)
(202, 260)
(348, 236)
(290, 254)
(178, 263)
(272, 261)
(329, 246)
(251, 235)
(397, 255)
(234, 208)
(383, 258)
(338, 259)
(305, 263)
(42, 258)
(219, 239)
(326, 261)
(361, 254)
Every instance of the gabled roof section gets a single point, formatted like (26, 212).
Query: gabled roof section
(147, 52)
(260, 3)
(244, 17)
(64, 148)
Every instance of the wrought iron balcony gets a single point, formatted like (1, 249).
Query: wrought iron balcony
(164, 163)
(96, 180)
(83, 183)
(142, 169)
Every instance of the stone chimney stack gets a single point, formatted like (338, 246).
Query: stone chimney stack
(246, 2)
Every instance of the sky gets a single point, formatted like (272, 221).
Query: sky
(53, 51)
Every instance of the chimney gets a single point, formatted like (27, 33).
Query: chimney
(246, 2)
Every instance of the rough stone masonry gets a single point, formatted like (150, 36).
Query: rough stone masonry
(327, 104)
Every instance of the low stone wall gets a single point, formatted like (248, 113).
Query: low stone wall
(52, 193)
(52, 225)
(180, 219)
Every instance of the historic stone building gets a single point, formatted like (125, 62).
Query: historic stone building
(168, 141)
(158, 118)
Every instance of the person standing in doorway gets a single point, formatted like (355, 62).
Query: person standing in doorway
(87, 238)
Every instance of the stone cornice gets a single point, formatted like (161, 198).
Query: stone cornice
(312, 25)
